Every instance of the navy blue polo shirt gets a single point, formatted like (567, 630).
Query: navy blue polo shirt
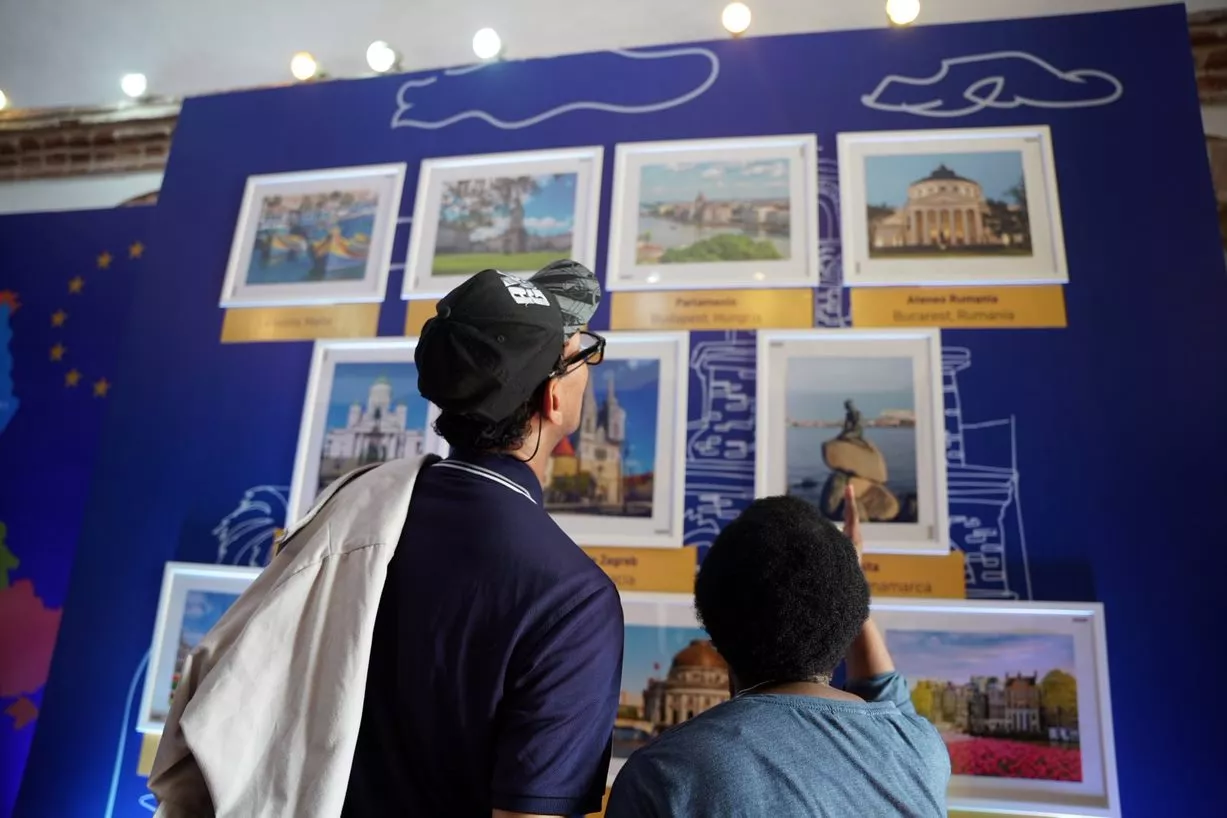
(497, 657)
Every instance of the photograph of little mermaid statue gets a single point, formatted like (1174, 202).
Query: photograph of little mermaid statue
(870, 401)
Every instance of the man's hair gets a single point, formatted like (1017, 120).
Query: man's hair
(464, 432)
(781, 593)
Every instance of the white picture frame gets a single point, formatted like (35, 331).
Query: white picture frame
(415, 439)
(901, 249)
(377, 189)
(673, 618)
(423, 281)
(673, 168)
(928, 533)
(974, 632)
(207, 588)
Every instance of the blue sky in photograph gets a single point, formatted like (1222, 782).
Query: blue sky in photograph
(548, 212)
(887, 177)
(352, 381)
(637, 387)
(649, 645)
(739, 181)
(817, 387)
(957, 656)
(201, 610)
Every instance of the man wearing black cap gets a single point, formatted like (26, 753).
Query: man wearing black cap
(496, 658)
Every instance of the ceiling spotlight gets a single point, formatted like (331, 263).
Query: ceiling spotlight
(134, 85)
(487, 44)
(902, 12)
(382, 57)
(4, 101)
(303, 66)
(736, 18)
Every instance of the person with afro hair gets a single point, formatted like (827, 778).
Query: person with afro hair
(783, 597)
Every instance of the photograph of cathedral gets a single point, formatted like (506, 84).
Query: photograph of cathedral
(607, 466)
(362, 406)
(950, 207)
(670, 671)
(513, 212)
(319, 236)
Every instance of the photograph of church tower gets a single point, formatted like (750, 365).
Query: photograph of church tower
(606, 467)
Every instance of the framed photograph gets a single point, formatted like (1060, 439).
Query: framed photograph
(620, 479)
(670, 671)
(514, 212)
(950, 207)
(715, 213)
(1019, 692)
(362, 406)
(194, 597)
(860, 407)
(315, 237)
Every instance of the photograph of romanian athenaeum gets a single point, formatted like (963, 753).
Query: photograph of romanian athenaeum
(936, 205)
(706, 212)
(1006, 704)
(852, 420)
(375, 414)
(669, 674)
(607, 467)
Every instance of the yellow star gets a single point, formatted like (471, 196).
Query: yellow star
(57, 352)
(104, 260)
(75, 285)
(101, 387)
(136, 250)
(58, 318)
(72, 377)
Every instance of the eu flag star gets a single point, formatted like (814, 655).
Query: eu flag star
(57, 352)
(104, 260)
(58, 318)
(72, 377)
(101, 387)
(136, 250)
(75, 285)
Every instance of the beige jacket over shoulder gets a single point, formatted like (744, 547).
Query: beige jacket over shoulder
(265, 720)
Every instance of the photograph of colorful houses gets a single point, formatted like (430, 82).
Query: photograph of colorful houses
(322, 236)
(669, 675)
(947, 204)
(510, 223)
(853, 419)
(1006, 704)
(201, 611)
(375, 414)
(707, 212)
(608, 466)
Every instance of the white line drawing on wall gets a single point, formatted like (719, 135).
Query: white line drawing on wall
(404, 101)
(245, 535)
(985, 503)
(829, 297)
(997, 90)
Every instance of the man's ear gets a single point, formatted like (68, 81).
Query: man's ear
(551, 404)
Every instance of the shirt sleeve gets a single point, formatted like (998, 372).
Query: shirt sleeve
(885, 687)
(555, 723)
(636, 792)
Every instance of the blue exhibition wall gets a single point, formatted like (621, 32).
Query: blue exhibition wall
(66, 280)
(1090, 457)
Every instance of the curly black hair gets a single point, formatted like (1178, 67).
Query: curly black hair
(464, 432)
(781, 593)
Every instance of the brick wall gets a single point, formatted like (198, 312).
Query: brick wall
(47, 145)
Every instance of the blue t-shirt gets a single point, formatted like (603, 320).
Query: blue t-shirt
(497, 657)
(788, 755)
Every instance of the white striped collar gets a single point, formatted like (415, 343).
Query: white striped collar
(487, 474)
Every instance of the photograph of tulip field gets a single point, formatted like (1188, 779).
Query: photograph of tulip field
(1006, 704)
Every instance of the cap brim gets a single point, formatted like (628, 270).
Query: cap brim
(575, 288)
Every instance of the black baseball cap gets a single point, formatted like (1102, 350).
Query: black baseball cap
(497, 336)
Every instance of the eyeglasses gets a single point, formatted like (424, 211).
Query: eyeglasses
(591, 352)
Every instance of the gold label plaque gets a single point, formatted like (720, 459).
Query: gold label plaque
(960, 307)
(713, 309)
(300, 323)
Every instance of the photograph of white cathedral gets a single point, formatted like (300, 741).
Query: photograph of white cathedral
(607, 466)
(922, 205)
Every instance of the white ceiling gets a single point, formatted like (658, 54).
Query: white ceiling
(66, 52)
